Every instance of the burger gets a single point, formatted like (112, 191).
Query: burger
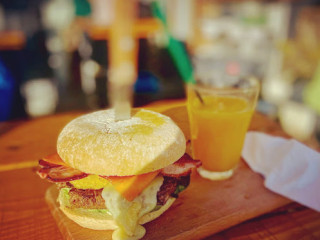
(118, 175)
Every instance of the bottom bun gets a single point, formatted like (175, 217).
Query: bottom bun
(153, 215)
(103, 221)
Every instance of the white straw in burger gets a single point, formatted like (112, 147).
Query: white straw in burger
(123, 58)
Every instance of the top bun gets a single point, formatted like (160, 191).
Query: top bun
(97, 144)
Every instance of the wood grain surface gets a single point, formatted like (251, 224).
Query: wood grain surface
(24, 213)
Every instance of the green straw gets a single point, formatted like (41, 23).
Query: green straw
(176, 48)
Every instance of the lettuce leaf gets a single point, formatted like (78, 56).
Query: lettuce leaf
(64, 199)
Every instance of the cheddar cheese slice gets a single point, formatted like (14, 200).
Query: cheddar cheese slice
(131, 186)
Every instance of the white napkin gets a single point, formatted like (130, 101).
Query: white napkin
(290, 168)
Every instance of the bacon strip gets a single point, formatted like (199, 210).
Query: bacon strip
(54, 172)
(58, 173)
(182, 167)
(54, 159)
(46, 164)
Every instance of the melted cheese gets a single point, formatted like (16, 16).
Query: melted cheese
(126, 213)
(90, 182)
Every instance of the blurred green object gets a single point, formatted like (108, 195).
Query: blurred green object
(176, 48)
(83, 8)
(311, 93)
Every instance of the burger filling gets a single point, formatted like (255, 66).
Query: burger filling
(92, 198)
(127, 198)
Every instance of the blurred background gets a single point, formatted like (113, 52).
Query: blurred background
(54, 54)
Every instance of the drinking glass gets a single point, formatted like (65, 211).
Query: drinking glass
(220, 114)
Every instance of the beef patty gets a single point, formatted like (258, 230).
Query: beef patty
(92, 199)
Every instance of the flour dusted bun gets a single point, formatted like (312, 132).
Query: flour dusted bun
(95, 143)
(101, 221)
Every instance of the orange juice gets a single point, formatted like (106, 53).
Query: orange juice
(218, 128)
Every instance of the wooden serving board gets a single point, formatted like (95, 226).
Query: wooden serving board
(206, 207)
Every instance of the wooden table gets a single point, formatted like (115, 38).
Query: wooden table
(24, 214)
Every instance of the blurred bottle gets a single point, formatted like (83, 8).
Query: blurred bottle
(41, 97)
(6, 92)
(102, 12)
(57, 16)
(312, 91)
(2, 19)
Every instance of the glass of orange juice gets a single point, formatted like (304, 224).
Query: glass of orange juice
(219, 119)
